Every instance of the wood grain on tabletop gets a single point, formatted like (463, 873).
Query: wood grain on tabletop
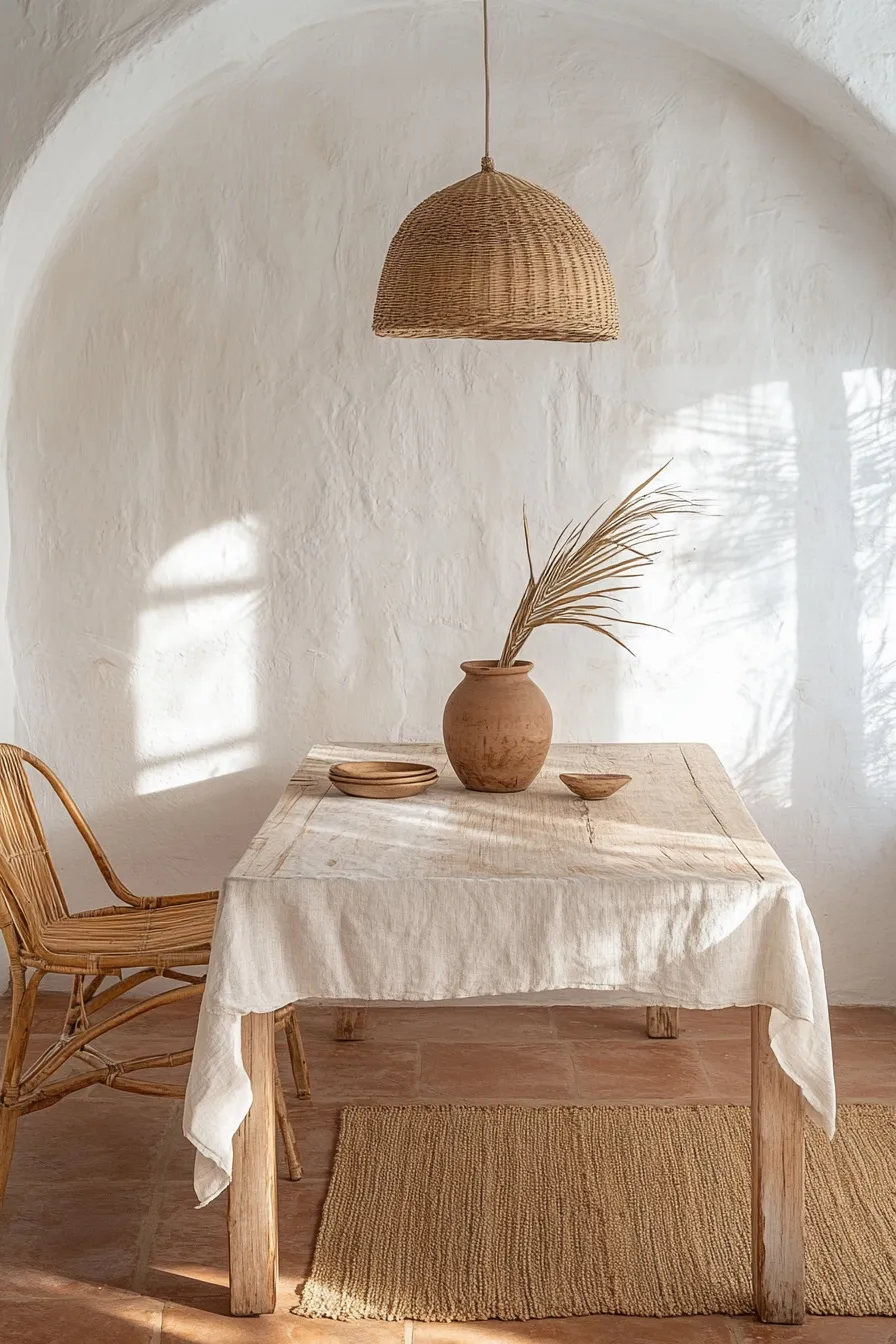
(680, 817)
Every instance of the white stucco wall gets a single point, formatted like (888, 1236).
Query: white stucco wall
(240, 523)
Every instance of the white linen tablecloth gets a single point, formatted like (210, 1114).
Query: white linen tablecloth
(666, 893)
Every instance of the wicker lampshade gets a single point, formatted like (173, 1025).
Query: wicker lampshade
(498, 259)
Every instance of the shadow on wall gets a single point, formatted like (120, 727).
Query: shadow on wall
(800, 628)
(240, 524)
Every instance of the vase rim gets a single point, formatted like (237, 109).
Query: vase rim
(488, 667)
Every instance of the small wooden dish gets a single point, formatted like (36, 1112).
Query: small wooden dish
(372, 788)
(385, 772)
(591, 787)
(385, 781)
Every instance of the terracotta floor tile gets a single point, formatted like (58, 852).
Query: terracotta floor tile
(80, 1321)
(486, 1332)
(625, 1024)
(49, 1013)
(301, 1205)
(66, 1155)
(341, 1070)
(182, 1155)
(645, 1330)
(189, 1249)
(647, 1071)
(178, 1019)
(696, 1024)
(348, 1332)
(477, 1072)
(820, 1330)
(865, 1069)
(864, 1021)
(95, 1135)
(316, 1128)
(141, 1045)
(575, 1023)
(192, 1325)
(498, 1025)
(31, 1283)
(316, 1023)
(727, 1065)
(75, 1230)
(181, 1290)
(175, 1024)
(188, 1261)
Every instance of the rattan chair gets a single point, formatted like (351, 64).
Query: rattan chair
(146, 936)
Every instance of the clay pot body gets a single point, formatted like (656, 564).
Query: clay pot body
(497, 727)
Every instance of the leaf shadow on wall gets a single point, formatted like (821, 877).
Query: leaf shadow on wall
(799, 623)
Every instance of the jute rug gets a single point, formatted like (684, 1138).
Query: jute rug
(456, 1213)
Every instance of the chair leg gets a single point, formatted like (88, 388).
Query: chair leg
(290, 1147)
(297, 1058)
(21, 1016)
(8, 1119)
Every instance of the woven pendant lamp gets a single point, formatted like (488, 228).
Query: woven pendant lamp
(495, 258)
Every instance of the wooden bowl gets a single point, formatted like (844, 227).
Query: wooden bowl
(595, 786)
(377, 789)
(391, 772)
(392, 777)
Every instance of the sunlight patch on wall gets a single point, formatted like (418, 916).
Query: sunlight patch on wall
(728, 589)
(870, 396)
(195, 678)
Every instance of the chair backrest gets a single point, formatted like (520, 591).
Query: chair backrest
(29, 885)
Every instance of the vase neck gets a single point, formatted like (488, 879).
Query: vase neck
(488, 667)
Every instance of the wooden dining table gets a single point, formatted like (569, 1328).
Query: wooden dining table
(666, 894)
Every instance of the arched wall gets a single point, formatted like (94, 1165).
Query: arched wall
(218, 477)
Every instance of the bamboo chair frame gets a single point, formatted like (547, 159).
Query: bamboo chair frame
(149, 936)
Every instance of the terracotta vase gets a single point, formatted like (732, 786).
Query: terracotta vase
(497, 727)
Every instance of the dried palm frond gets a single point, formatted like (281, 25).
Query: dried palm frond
(587, 570)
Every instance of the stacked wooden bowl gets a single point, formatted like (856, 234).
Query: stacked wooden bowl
(382, 779)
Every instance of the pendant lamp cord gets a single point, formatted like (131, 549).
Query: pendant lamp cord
(487, 165)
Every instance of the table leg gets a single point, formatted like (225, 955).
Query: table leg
(662, 1023)
(349, 1024)
(779, 1264)
(252, 1212)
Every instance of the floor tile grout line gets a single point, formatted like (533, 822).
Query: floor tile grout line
(705, 1072)
(158, 1186)
(577, 1081)
(569, 1069)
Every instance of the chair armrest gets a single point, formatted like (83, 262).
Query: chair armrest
(156, 902)
(145, 903)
